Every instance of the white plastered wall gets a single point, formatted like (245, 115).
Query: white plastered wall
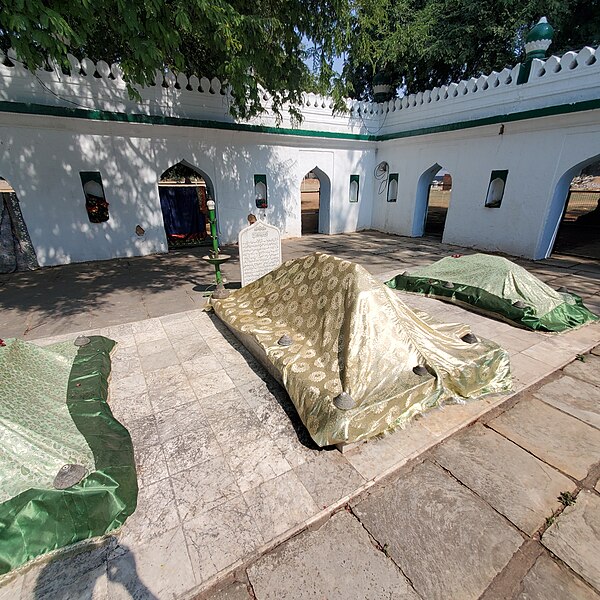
(536, 153)
(41, 157)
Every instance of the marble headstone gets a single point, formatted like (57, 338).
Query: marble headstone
(260, 251)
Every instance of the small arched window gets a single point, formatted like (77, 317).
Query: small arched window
(260, 191)
(496, 187)
(354, 188)
(95, 200)
(392, 193)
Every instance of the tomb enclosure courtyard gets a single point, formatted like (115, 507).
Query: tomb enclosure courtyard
(120, 219)
(236, 501)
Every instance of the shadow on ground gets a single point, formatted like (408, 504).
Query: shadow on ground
(84, 296)
(105, 570)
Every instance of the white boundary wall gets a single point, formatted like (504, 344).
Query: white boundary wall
(535, 152)
(41, 158)
(41, 155)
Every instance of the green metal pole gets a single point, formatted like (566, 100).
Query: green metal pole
(212, 219)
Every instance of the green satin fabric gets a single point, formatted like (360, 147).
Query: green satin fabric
(351, 333)
(42, 519)
(38, 434)
(491, 285)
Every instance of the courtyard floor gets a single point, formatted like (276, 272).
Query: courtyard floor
(228, 474)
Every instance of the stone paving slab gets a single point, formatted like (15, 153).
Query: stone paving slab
(547, 579)
(218, 539)
(375, 457)
(447, 541)
(575, 537)
(214, 437)
(54, 578)
(279, 505)
(160, 569)
(328, 477)
(554, 437)
(588, 370)
(336, 562)
(12, 588)
(235, 591)
(574, 396)
(515, 483)
(526, 370)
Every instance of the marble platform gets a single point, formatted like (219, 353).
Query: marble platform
(226, 469)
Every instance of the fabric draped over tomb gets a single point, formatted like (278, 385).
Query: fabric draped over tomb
(353, 334)
(496, 286)
(54, 413)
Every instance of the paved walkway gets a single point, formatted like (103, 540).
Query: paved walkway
(226, 470)
(507, 508)
(72, 298)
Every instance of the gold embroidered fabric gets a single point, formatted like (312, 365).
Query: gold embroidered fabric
(353, 334)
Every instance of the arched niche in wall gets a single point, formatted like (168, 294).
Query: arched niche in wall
(496, 187)
(96, 205)
(434, 189)
(354, 188)
(392, 191)
(572, 224)
(260, 191)
(183, 191)
(315, 199)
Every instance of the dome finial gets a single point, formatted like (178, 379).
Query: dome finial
(537, 42)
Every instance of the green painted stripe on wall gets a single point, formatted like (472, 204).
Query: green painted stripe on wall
(536, 113)
(103, 115)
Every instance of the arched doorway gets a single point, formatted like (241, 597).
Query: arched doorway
(183, 191)
(16, 250)
(434, 189)
(314, 202)
(573, 223)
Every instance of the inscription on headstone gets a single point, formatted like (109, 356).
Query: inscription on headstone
(260, 251)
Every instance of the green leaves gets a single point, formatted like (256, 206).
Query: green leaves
(428, 43)
(261, 45)
(252, 46)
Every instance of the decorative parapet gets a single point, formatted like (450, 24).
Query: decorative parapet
(100, 86)
(573, 77)
(588, 57)
(557, 81)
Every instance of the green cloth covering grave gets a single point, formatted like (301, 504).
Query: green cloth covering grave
(53, 412)
(495, 286)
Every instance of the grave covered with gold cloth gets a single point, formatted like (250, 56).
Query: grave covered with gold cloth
(355, 360)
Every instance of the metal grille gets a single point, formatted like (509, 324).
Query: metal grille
(580, 203)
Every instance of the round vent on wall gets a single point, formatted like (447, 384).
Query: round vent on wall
(382, 170)
(381, 174)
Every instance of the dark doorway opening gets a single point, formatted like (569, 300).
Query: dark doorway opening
(438, 201)
(434, 189)
(183, 192)
(579, 230)
(310, 203)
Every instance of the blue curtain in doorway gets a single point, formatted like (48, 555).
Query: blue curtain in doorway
(181, 211)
